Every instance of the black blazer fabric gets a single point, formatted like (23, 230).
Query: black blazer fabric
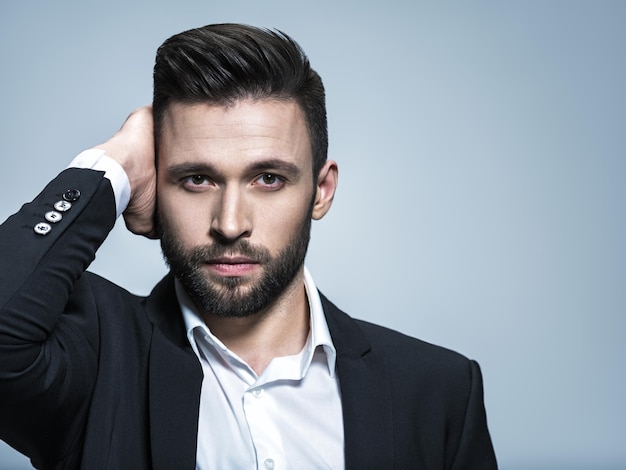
(94, 377)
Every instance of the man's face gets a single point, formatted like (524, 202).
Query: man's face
(235, 197)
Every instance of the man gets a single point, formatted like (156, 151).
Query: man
(234, 360)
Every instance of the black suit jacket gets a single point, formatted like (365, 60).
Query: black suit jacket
(94, 377)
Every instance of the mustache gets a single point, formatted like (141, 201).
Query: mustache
(244, 248)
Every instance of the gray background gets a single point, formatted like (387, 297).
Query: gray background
(482, 164)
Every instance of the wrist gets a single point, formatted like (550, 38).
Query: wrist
(97, 159)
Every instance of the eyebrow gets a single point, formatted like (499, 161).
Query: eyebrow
(275, 164)
(183, 169)
(269, 165)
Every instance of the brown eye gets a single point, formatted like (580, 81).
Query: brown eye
(269, 182)
(197, 179)
(196, 183)
(269, 178)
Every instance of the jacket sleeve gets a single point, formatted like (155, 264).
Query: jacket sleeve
(475, 450)
(48, 333)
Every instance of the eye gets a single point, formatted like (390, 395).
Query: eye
(197, 179)
(270, 181)
(196, 182)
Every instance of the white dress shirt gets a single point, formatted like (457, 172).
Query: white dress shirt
(289, 417)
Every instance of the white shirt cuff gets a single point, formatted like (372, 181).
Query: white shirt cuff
(95, 159)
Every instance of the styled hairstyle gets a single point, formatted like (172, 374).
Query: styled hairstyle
(223, 63)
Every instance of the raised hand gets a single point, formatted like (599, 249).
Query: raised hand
(133, 148)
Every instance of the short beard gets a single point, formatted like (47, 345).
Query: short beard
(227, 297)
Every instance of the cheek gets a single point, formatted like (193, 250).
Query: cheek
(182, 219)
(278, 225)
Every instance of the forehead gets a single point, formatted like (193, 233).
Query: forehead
(244, 130)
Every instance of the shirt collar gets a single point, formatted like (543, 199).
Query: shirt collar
(319, 334)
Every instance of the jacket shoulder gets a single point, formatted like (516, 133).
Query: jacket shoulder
(409, 362)
(394, 343)
(360, 337)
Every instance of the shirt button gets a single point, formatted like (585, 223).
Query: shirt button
(42, 228)
(269, 464)
(71, 195)
(62, 206)
(258, 393)
(53, 217)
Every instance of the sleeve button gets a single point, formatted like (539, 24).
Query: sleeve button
(71, 195)
(53, 217)
(42, 228)
(62, 206)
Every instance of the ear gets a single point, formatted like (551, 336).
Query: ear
(325, 191)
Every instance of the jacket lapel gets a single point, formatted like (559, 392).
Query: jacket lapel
(365, 394)
(175, 377)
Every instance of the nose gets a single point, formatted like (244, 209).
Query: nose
(230, 220)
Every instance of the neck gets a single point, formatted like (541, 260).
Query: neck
(279, 330)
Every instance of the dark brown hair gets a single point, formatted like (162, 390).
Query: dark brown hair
(223, 63)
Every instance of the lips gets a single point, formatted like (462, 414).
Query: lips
(232, 266)
(232, 260)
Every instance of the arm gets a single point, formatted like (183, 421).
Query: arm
(48, 325)
(475, 449)
(48, 353)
